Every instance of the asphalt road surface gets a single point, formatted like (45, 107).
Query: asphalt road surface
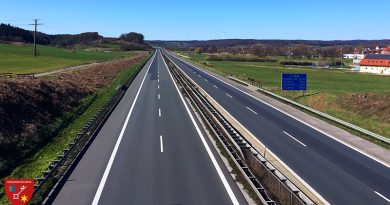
(338, 173)
(151, 151)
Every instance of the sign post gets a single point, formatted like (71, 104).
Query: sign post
(294, 81)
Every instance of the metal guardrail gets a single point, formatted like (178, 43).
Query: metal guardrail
(324, 115)
(250, 162)
(60, 169)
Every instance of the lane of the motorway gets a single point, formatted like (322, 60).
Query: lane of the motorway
(159, 158)
(338, 173)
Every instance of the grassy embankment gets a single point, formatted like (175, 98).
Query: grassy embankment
(362, 99)
(18, 58)
(89, 106)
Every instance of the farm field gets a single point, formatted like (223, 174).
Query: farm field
(18, 58)
(362, 99)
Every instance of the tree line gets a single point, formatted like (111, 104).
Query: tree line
(293, 51)
(296, 49)
(128, 41)
(16, 34)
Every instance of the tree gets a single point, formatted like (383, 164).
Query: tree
(133, 37)
(198, 50)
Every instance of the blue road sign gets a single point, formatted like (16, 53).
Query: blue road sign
(294, 81)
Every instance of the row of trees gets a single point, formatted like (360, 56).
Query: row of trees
(301, 51)
(15, 34)
(294, 51)
(242, 58)
(130, 41)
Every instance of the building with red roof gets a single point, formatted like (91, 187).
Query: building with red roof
(376, 63)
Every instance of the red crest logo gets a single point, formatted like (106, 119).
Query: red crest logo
(19, 191)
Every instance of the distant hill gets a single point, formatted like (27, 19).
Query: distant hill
(276, 43)
(134, 41)
(15, 34)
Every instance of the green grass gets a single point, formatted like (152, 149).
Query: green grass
(319, 80)
(18, 58)
(331, 85)
(34, 166)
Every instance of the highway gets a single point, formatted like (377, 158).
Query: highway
(151, 150)
(338, 173)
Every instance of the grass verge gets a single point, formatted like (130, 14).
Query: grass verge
(90, 105)
(19, 59)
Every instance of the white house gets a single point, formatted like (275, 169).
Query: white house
(375, 63)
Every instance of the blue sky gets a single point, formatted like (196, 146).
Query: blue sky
(202, 19)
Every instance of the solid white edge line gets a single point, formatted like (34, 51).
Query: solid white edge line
(379, 194)
(323, 200)
(299, 120)
(159, 112)
(161, 144)
(294, 138)
(115, 150)
(209, 152)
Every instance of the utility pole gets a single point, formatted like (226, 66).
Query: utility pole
(342, 57)
(35, 36)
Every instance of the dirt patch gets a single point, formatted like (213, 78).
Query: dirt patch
(98, 75)
(368, 104)
(324, 102)
(28, 113)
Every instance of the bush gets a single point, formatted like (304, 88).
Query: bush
(297, 63)
(134, 47)
(198, 51)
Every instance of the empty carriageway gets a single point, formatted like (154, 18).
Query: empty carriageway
(340, 174)
(159, 155)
